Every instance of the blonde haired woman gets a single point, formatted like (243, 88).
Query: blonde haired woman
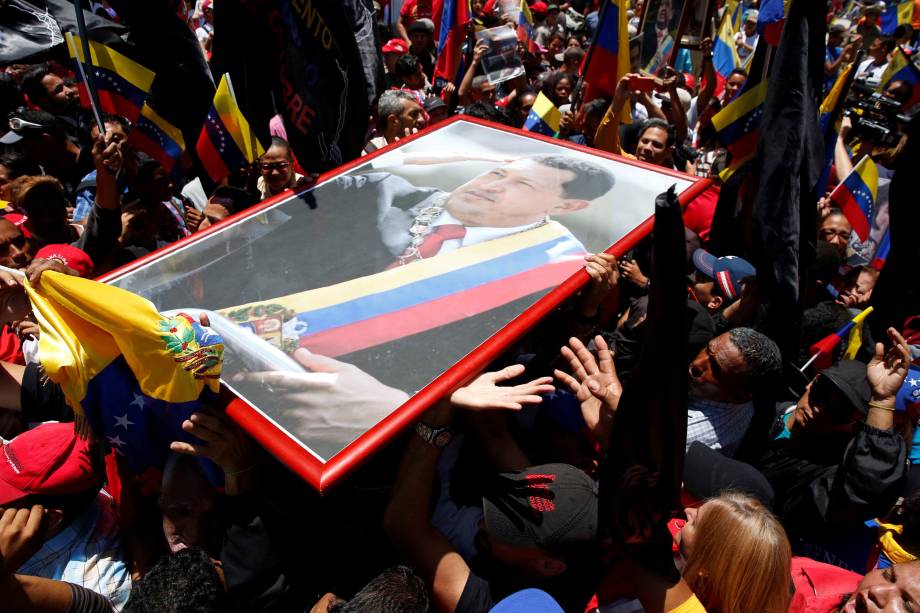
(737, 556)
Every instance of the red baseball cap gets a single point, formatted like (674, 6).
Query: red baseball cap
(538, 7)
(68, 255)
(50, 459)
(18, 220)
(395, 45)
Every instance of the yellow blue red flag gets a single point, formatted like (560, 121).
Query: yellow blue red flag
(431, 292)
(132, 374)
(543, 117)
(121, 83)
(157, 137)
(226, 142)
(856, 334)
(856, 196)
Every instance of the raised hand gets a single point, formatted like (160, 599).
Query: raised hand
(602, 268)
(485, 393)
(594, 382)
(887, 370)
(225, 444)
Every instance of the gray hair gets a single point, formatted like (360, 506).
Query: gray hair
(479, 81)
(391, 103)
(761, 354)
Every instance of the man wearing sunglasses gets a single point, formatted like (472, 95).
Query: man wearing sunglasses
(838, 456)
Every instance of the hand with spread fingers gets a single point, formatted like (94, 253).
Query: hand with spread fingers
(595, 383)
(225, 444)
(485, 393)
(888, 369)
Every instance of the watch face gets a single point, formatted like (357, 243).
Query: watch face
(442, 439)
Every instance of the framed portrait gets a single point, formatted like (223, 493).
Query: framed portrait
(349, 308)
(660, 33)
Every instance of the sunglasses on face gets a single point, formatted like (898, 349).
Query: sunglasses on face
(270, 166)
(16, 124)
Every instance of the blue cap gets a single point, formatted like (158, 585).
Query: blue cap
(728, 271)
(528, 601)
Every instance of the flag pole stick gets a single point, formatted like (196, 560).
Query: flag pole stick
(580, 85)
(87, 75)
(809, 362)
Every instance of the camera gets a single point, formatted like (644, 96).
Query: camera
(876, 118)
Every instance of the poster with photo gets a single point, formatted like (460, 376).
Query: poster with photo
(351, 304)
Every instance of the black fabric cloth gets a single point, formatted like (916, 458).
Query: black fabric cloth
(790, 161)
(642, 474)
(100, 237)
(41, 399)
(88, 601)
(476, 596)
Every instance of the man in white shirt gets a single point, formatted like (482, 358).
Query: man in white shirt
(872, 69)
(746, 39)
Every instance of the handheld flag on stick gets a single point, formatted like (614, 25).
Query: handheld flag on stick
(856, 334)
(157, 137)
(121, 83)
(738, 123)
(450, 20)
(829, 119)
(856, 196)
(226, 142)
(823, 351)
(608, 57)
(544, 117)
(525, 28)
(724, 53)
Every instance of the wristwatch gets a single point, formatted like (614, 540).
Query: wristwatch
(437, 437)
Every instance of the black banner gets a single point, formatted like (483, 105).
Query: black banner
(31, 31)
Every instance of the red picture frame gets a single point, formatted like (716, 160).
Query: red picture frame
(323, 475)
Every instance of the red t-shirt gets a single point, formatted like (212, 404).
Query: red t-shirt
(413, 10)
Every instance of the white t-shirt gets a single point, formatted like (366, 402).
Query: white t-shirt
(741, 37)
(870, 72)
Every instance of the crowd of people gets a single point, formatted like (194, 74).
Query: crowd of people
(802, 490)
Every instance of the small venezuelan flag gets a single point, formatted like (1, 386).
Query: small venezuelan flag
(226, 142)
(157, 137)
(856, 196)
(525, 28)
(738, 126)
(121, 83)
(450, 20)
(829, 122)
(543, 117)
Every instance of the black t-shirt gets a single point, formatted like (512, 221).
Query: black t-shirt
(42, 399)
(476, 596)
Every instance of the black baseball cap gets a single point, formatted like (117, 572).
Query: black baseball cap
(26, 121)
(708, 473)
(542, 506)
(849, 377)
